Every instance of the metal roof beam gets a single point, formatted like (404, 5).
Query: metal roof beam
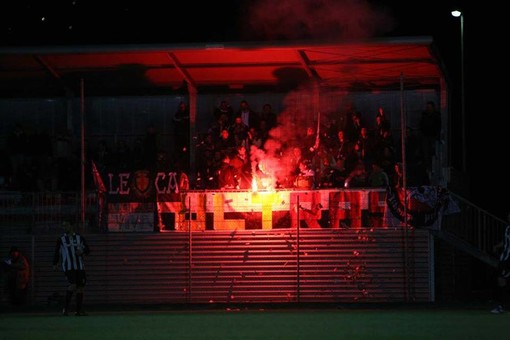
(54, 73)
(177, 64)
(305, 62)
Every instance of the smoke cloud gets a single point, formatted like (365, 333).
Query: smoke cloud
(301, 20)
(317, 19)
(299, 113)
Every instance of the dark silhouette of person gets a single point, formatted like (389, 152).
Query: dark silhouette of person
(430, 128)
(17, 271)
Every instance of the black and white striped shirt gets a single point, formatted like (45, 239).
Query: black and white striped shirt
(66, 251)
(505, 254)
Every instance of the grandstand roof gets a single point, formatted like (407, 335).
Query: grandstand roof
(161, 69)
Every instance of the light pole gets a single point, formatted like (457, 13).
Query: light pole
(458, 14)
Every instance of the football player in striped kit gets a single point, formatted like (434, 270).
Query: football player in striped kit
(504, 270)
(69, 251)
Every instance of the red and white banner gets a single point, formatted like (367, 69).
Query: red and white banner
(143, 201)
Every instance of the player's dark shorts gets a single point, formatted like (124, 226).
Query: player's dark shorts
(77, 277)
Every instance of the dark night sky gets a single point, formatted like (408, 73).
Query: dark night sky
(74, 22)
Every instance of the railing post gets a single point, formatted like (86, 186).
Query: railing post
(298, 293)
(190, 250)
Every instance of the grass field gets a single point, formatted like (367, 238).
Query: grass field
(260, 324)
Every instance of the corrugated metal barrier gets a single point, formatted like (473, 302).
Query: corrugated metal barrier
(248, 266)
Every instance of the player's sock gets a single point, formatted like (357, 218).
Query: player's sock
(69, 295)
(79, 302)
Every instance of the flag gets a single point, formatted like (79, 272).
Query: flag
(425, 206)
(98, 181)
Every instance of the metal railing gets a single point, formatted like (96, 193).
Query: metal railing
(478, 227)
(42, 212)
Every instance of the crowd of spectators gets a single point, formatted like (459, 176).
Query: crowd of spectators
(39, 161)
(337, 156)
(228, 154)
